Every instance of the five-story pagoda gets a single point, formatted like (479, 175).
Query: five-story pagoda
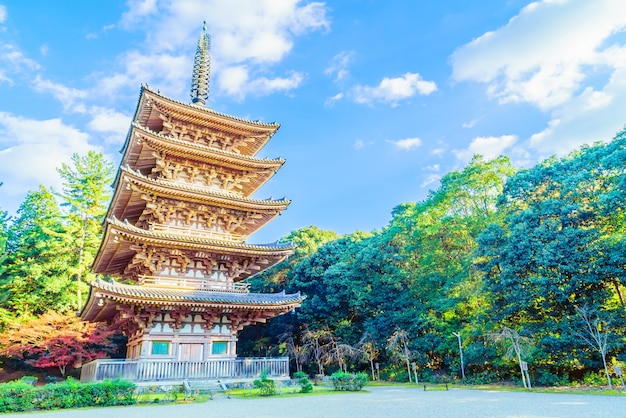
(176, 227)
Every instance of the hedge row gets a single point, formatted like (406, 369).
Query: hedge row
(348, 381)
(21, 396)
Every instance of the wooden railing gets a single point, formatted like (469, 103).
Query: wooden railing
(204, 233)
(165, 370)
(193, 283)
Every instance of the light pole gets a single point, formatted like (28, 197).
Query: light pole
(458, 336)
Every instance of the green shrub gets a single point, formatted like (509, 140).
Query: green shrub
(548, 378)
(266, 386)
(348, 381)
(597, 379)
(303, 380)
(21, 396)
(17, 396)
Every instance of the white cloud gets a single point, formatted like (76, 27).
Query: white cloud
(592, 116)
(138, 68)
(360, 144)
(30, 152)
(3, 13)
(248, 38)
(541, 54)
(339, 65)
(567, 58)
(489, 147)
(393, 90)
(331, 100)
(110, 124)
(236, 82)
(138, 10)
(438, 151)
(470, 124)
(406, 144)
(430, 179)
(13, 61)
(66, 95)
(264, 85)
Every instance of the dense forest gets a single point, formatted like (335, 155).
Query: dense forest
(497, 271)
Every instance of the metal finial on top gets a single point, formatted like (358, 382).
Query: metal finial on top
(201, 69)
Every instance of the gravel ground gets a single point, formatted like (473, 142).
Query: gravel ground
(377, 402)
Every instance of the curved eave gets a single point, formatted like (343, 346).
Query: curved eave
(127, 230)
(128, 203)
(104, 298)
(199, 152)
(203, 116)
(115, 250)
(142, 143)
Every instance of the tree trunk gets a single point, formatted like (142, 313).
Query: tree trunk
(521, 369)
(408, 369)
(606, 370)
(372, 366)
(458, 336)
(619, 293)
(79, 274)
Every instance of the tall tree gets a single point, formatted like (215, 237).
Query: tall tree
(85, 194)
(516, 347)
(3, 236)
(36, 277)
(595, 333)
(560, 245)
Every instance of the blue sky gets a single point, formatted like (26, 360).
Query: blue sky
(376, 99)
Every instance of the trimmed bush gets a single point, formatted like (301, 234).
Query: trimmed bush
(348, 381)
(304, 382)
(19, 396)
(266, 386)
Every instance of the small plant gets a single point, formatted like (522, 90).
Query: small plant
(348, 381)
(266, 386)
(303, 380)
(19, 396)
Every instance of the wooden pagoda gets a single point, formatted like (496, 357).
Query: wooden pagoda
(176, 229)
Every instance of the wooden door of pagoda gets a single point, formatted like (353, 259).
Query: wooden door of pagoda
(190, 352)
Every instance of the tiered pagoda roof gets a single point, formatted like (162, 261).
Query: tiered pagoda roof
(248, 136)
(121, 239)
(183, 198)
(113, 292)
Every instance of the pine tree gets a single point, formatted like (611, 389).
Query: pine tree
(85, 195)
(36, 277)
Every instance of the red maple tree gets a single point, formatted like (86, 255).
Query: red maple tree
(55, 340)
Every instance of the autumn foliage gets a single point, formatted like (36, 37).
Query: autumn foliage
(55, 340)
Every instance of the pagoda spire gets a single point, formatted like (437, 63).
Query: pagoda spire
(201, 69)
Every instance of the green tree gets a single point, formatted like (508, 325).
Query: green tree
(439, 291)
(3, 237)
(398, 346)
(516, 347)
(85, 194)
(595, 334)
(560, 245)
(36, 276)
